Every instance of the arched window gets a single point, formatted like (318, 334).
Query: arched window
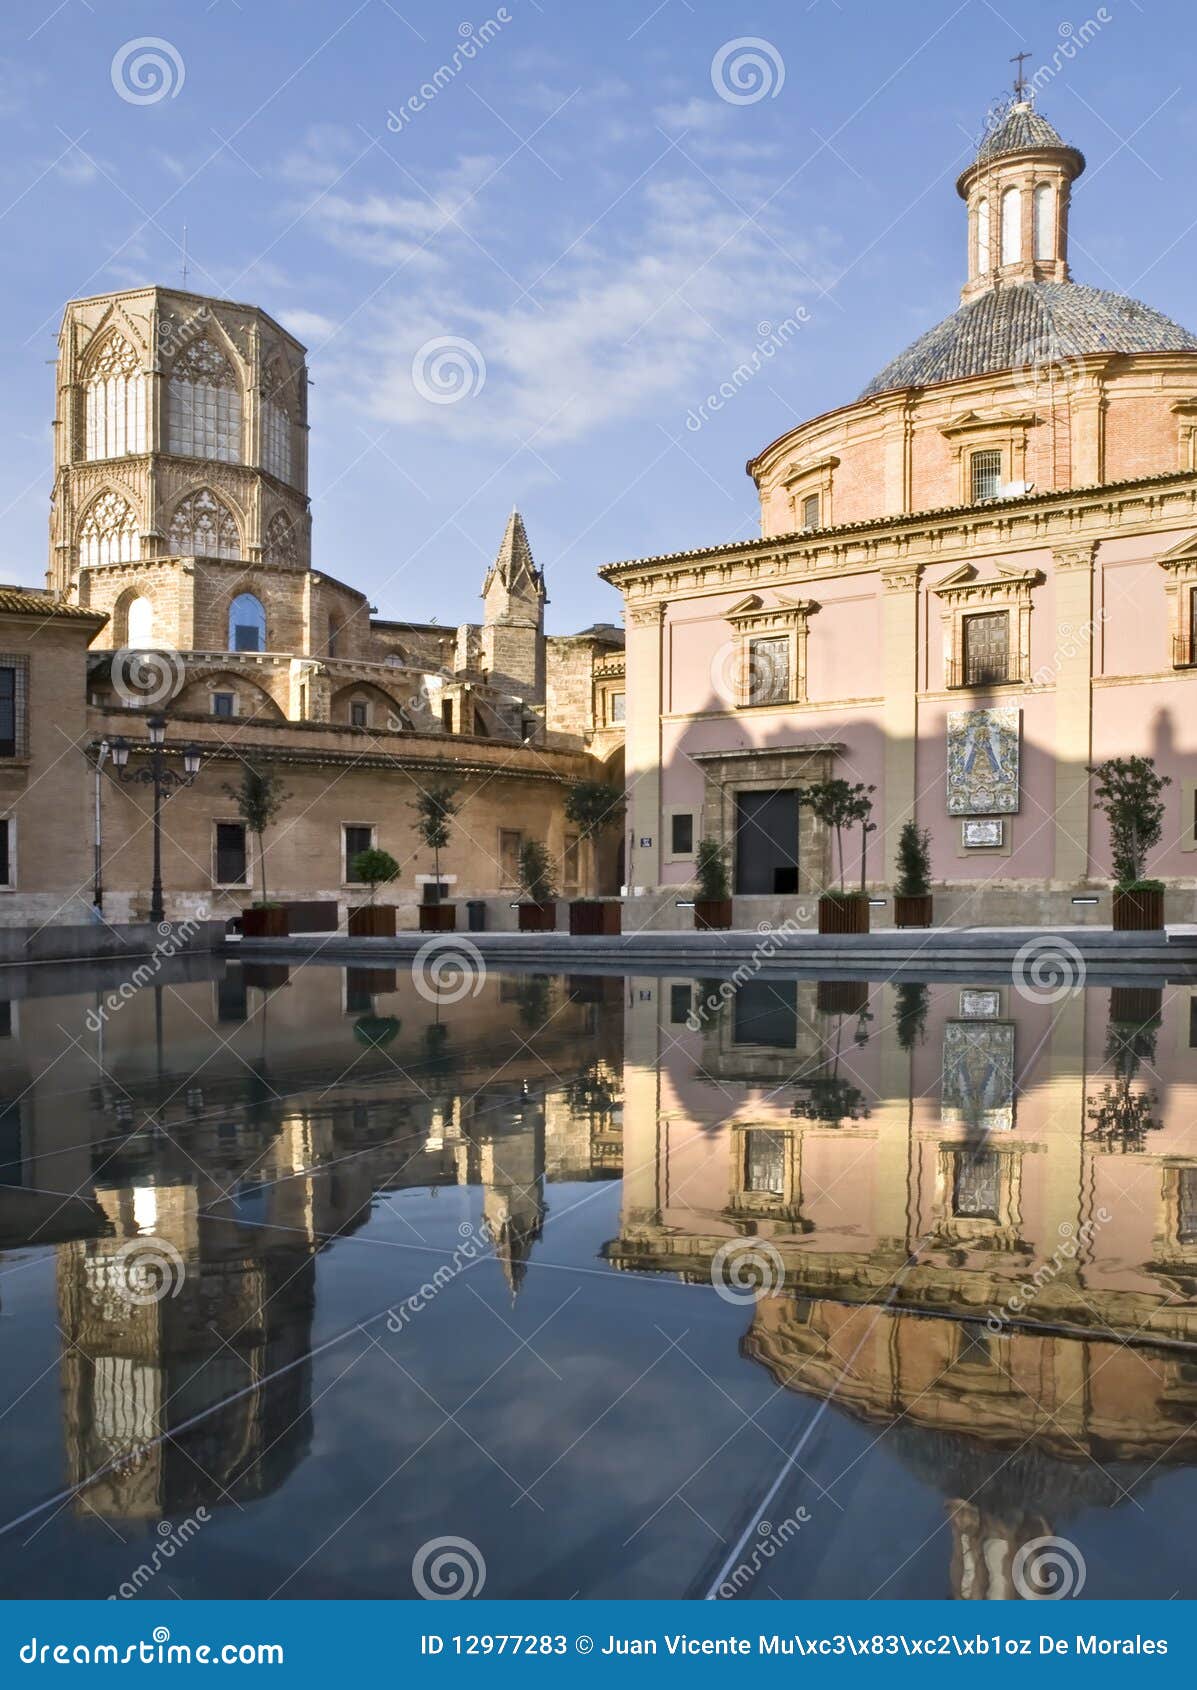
(109, 533)
(280, 540)
(203, 526)
(276, 424)
(1011, 226)
(984, 256)
(1045, 232)
(247, 624)
(114, 402)
(139, 624)
(204, 404)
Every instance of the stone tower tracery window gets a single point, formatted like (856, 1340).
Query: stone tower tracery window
(114, 402)
(203, 526)
(204, 404)
(280, 541)
(109, 533)
(276, 425)
(1045, 235)
(1012, 226)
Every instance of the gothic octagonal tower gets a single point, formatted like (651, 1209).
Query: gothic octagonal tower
(180, 433)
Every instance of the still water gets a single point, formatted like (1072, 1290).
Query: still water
(635, 1287)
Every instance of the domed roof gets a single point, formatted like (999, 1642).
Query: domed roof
(1022, 127)
(1028, 325)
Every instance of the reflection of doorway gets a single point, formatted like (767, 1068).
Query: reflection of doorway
(766, 847)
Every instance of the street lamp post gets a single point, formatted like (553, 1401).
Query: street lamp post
(165, 782)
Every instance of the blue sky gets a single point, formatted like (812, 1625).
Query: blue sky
(607, 235)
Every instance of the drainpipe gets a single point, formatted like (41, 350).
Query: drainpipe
(97, 883)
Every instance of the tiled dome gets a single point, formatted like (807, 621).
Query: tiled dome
(1022, 127)
(1028, 325)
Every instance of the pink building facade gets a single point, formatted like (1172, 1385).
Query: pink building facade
(972, 582)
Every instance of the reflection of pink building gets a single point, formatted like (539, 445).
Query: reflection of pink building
(1004, 521)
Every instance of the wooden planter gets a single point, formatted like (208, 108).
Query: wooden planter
(266, 976)
(841, 997)
(438, 918)
(713, 912)
(1136, 1006)
(1138, 912)
(591, 918)
(912, 909)
(843, 915)
(538, 918)
(372, 921)
(272, 922)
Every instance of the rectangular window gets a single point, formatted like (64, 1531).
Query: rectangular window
(11, 1157)
(810, 511)
(766, 1013)
(681, 998)
(570, 875)
(5, 1018)
(764, 1161)
(8, 863)
(359, 713)
(1193, 1022)
(986, 475)
(769, 671)
(510, 840)
(986, 648)
(356, 838)
(681, 834)
(976, 1185)
(13, 692)
(231, 1000)
(222, 703)
(619, 707)
(1186, 1206)
(231, 860)
(447, 715)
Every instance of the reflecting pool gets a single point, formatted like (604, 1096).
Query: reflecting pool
(633, 1286)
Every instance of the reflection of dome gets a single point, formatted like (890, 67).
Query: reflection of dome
(1029, 325)
(1005, 1482)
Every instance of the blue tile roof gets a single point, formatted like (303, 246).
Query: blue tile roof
(1022, 127)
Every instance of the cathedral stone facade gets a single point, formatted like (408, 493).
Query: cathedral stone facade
(994, 546)
(181, 549)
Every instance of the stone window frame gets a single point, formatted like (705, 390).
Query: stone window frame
(1180, 568)
(511, 884)
(1005, 433)
(232, 885)
(19, 663)
(788, 619)
(787, 1202)
(224, 692)
(803, 481)
(962, 594)
(694, 811)
(1004, 1231)
(8, 819)
(372, 829)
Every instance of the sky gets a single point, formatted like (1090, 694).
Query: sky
(522, 285)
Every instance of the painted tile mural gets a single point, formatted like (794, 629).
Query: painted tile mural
(978, 1075)
(983, 762)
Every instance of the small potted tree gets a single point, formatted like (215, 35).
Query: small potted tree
(594, 808)
(839, 805)
(259, 797)
(436, 803)
(373, 868)
(912, 894)
(713, 905)
(1128, 792)
(538, 909)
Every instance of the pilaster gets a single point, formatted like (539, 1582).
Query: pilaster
(1072, 662)
(645, 703)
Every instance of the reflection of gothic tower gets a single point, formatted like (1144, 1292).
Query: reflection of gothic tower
(511, 1170)
(181, 431)
(513, 627)
(134, 1372)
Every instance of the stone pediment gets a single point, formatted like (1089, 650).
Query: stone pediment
(1007, 581)
(974, 422)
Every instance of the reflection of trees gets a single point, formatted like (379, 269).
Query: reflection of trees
(1123, 1117)
(831, 1098)
(592, 1094)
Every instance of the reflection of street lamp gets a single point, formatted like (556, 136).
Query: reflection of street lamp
(165, 782)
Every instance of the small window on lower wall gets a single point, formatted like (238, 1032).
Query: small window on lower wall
(230, 865)
(681, 1001)
(681, 833)
(224, 704)
(570, 862)
(510, 840)
(8, 853)
(359, 713)
(356, 837)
